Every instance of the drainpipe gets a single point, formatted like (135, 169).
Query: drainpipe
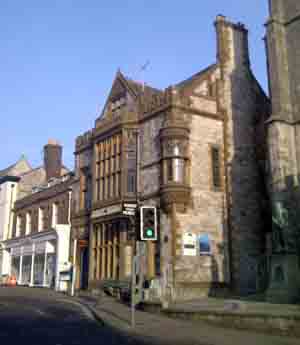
(9, 233)
(74, 268)
(69, 213)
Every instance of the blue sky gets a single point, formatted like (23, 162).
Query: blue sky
(59, 58)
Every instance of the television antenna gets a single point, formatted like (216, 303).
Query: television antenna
(142, 70)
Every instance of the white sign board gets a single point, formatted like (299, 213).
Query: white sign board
(107, 211)
(189, 244)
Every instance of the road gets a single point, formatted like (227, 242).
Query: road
(42, 317)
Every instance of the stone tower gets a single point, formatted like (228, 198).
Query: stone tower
(283, 52)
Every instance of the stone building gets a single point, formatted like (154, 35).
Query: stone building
(81, 209)
(37, 248)
(196, 151)
(283, 52)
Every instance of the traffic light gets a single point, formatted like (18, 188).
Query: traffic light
(148, 223)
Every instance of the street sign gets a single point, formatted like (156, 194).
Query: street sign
(129, 209)
(129, 213)
(130, 205)
(189, 244)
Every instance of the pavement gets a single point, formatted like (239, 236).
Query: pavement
(159, 329)
(237, 306)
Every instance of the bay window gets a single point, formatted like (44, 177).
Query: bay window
(174, 166)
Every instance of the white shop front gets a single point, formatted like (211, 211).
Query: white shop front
(39, 259)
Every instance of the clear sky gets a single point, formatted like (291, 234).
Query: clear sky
(59, 58)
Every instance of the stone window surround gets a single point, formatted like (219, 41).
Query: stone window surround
(213, 186)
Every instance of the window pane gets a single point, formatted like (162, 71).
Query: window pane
(178, 170)
(131, 181)
(169, 170)
(216, 167)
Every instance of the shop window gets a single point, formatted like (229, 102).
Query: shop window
(204, 245)
(216, 171)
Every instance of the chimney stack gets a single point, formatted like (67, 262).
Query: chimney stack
(232, 44)
(53, 159)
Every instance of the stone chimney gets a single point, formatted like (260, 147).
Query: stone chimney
(232, 44)
(53, 159)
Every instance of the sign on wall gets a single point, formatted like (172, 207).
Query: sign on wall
(106, 211)
(189, 244)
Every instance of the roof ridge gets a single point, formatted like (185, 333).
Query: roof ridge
(198, 74)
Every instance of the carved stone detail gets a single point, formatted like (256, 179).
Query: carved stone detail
(174, 194)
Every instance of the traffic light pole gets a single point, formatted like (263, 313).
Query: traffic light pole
(133, 287)
(136, 249)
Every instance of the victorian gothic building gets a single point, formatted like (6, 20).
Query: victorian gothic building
(196, 151)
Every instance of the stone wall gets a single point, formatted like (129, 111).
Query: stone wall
(205, 215)
(244, 104)
(283, 49)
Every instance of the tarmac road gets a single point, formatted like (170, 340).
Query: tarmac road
(42, 317)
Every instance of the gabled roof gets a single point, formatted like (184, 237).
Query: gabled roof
(202, 74)
(8, 171)
(135, 89)
(140, 88)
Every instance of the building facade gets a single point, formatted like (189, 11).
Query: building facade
(196, 151)
(283, 52)
(10, 185)
(37, 250)
(81, 210)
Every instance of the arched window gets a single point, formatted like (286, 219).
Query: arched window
(204, 244)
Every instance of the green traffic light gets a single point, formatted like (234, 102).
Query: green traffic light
(149, 232)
